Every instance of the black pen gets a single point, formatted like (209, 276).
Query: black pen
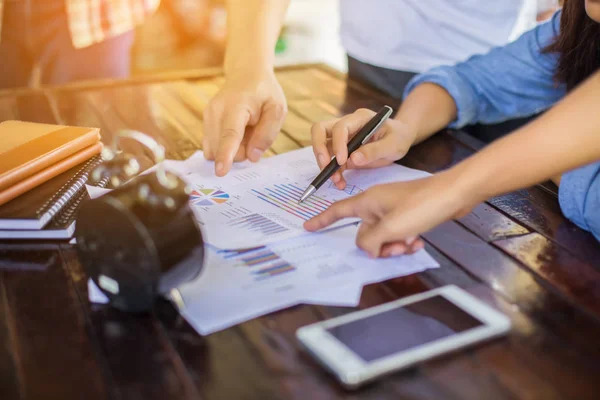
(361, 137)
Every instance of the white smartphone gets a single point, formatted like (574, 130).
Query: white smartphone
(364, 345)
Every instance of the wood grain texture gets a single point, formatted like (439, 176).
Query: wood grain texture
(516, 252)
(221, 365)
(534, 208)
(576, 279)
(518, 285)
(140, 361)
(11, 385)
(530, 347)
(489, 224)
(540, 212)
(53, 355)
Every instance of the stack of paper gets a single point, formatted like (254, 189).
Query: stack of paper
(259, 258)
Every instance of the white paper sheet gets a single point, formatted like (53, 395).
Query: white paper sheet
(322, 268)
(257, 204)
(312, 268)
(95, 192)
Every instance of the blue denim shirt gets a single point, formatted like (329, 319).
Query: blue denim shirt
(517, 81)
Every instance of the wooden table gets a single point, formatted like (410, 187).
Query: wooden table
(516, 252)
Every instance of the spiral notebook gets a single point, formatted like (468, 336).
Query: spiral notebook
(47, 211)
(62, 226)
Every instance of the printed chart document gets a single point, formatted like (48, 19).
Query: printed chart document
(259, 258)
(257, 204)
(323, 268)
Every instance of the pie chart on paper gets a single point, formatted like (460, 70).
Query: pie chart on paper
(208, 197)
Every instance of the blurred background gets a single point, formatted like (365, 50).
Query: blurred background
(191, 34)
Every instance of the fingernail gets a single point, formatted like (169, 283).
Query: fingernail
(322, 160)
(335, 178)
(256, 154)
(411, 240)
(219, 167)
(397, 251)
(358, 158)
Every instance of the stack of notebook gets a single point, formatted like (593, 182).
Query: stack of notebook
(43, 171)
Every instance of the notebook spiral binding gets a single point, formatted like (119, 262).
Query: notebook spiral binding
(68, 213)
(65, 196)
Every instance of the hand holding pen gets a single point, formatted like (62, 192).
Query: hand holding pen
(388, 144)
(375, 141)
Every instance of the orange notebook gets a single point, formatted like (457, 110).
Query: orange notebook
(48, 173)
(27, 148)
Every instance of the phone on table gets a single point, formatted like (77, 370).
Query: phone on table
(364, 345)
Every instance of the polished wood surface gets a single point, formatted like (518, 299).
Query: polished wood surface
(516, 252)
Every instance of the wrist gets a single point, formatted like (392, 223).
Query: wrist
(254, 60)
(255, 71)
(469, 183)
(410, 129)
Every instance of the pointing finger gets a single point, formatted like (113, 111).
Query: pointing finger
(319, 132)
(339, 210)
(266, 130)
(230, 138)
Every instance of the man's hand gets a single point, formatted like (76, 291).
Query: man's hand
(393, 215)
(243, 119)
(390, 143)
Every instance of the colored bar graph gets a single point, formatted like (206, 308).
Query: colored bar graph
(236, 212)
(247, 176)
(272, 271)
(286, 196)
(256, 223)
(263, 262)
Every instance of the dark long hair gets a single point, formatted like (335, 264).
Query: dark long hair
(578, 45)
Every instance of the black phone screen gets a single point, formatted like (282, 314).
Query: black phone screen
(403, 328)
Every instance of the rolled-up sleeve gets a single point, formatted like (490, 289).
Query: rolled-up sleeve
(579, 197)
(508, 82)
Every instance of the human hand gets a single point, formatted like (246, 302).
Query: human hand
(394, 214)
(390, 143)
(243, 119)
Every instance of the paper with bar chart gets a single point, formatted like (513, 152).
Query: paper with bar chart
(250, 270)
(324, 268)
(258, 204)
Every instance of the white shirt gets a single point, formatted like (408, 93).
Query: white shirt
(416, 35)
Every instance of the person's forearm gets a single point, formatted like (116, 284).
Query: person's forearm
(566, 137)
(252, 30)
(427, 109)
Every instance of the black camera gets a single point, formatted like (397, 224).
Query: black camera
(141, 240)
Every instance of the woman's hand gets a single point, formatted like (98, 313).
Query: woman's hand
(390, 143)
(393, 215)
(243, 119)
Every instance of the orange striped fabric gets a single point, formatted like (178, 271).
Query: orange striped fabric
(92, 21)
